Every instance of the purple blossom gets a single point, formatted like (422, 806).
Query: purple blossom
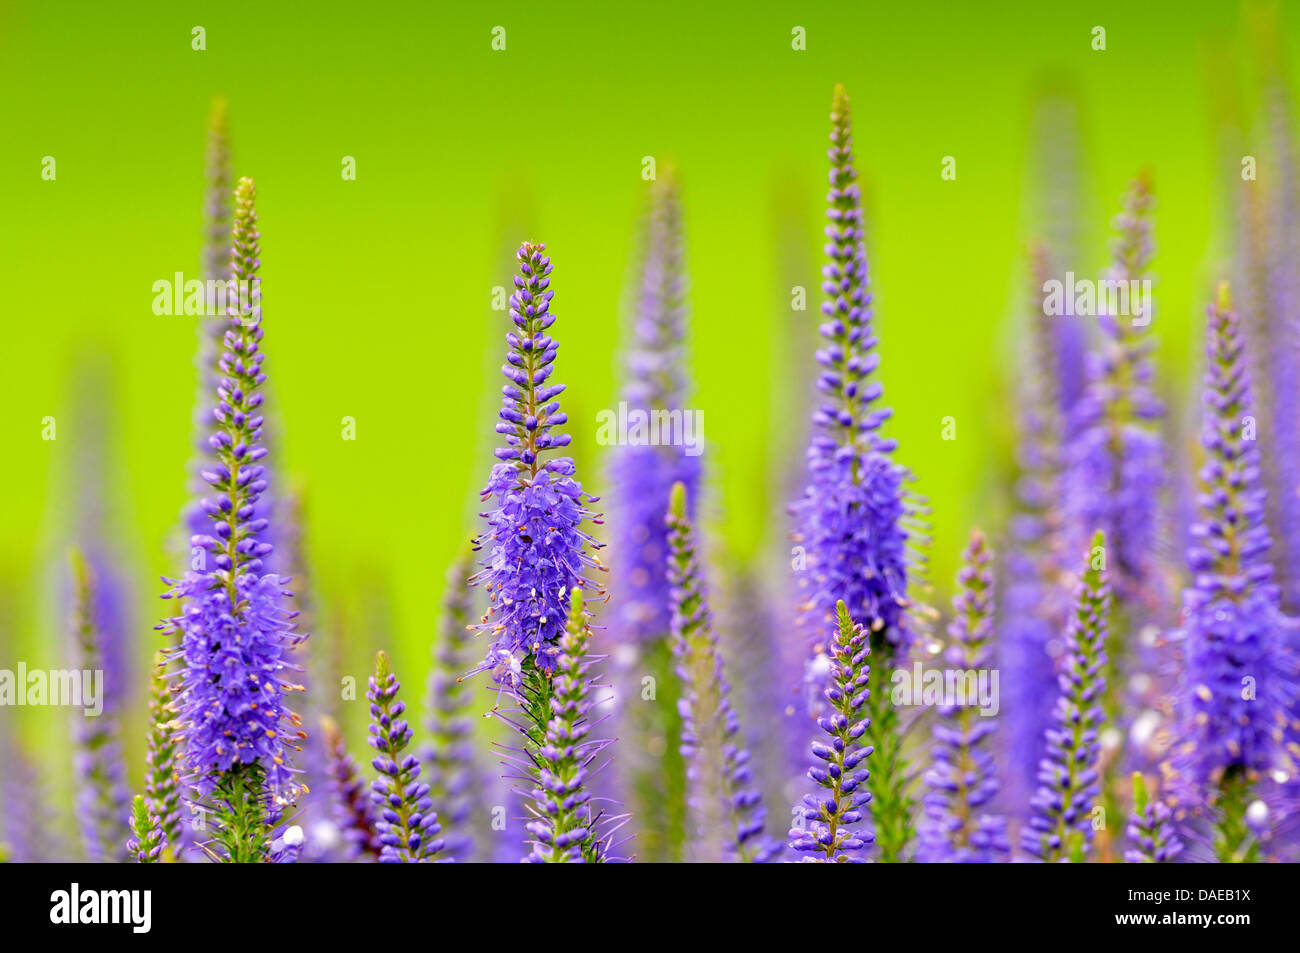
(349, 800)
(723, 792)
(103, 804)
(29, 834)
(147, 842)
(1241, 677)
(830, 830)
(1116, 457)
(962, 780)
(1069, 776)
(453, 775)
(537, 549)
(405, 820)
(1150, 829)
(643, 476)
(560, 759)
(234, 629)
(850, 518)
(1032, 613)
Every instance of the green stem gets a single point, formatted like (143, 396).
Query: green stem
(241, 822)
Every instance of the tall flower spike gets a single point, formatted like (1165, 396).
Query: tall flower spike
(407, 824)
(656, 382)
(1069, 777)
(1235, 634)
(851, 512)
(349, 801)
(1032, 611)
(162, 784)
(962, 779)
(653, 773)
(234, 629)
(1150, 829)
(830, 831)
(1116, 458)
(215, 262)
(537, 549)
(148, 841)
(852, 521)
(567, 826)
(1115, 465)
(103, 802)
(723, 792)
(454, 779)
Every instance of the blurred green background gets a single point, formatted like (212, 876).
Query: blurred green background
(377, 290)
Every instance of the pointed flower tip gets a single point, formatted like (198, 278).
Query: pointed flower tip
(840, 98)
(677, 500)
(1223, 300)
(575, 604)
(1140, 797)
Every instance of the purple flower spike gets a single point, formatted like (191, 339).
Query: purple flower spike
(1069, 777)
(850, 519)
(147, 842)
(1240, 674)
(162, 785)
(1150, 829)
(831, 829)
(350, 803)
(962, 779)
(103, 801)
(1116, 457)
(860, 533)
(723, 792)
(234, 629)
(405, 820)
(561, 759)
(643, 476)
(454, 778)
(537, 549)
(1032, 611)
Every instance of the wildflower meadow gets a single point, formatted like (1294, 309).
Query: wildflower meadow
(657, 436)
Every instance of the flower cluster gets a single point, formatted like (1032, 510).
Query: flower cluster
(537, 549)
(1151, 829)
(148, 841)
(643, 476)
(1032, 613)
(1069, 777)
(1238, 666)
(723, 791)
(830, 830)
(567, 826)
(962, 779)
(349, 798)
(453, 775)
(850, 518)
(1115, 459)
(405, 820)
(104, 804)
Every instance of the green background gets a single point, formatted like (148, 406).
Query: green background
(377, 290)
